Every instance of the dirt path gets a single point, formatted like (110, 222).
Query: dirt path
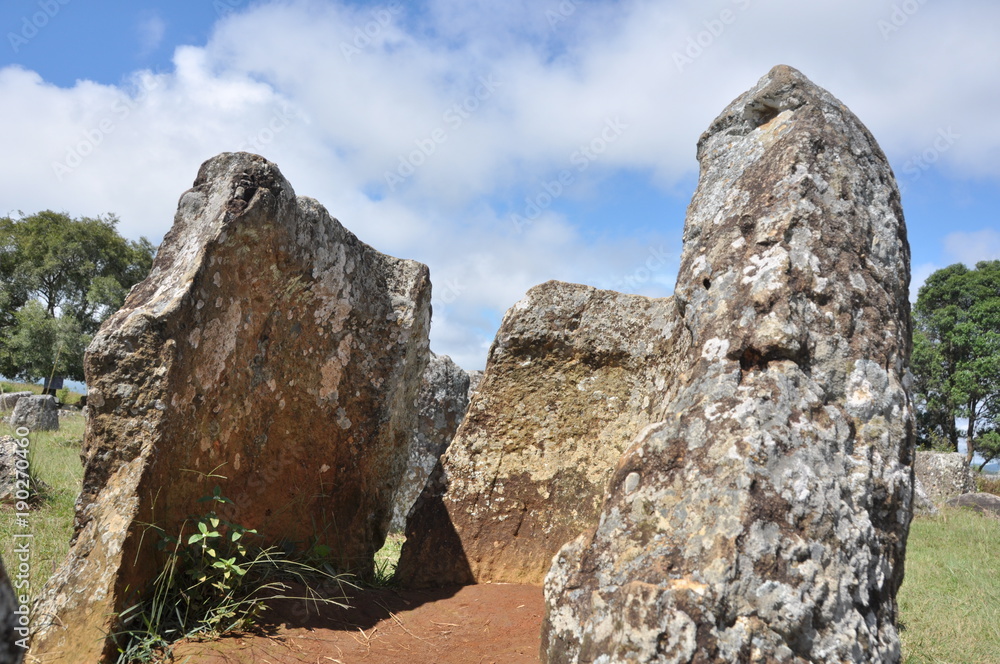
(484, 624)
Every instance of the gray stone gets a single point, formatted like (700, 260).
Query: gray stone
(36, 413)
(575, 373)
(13, 635)
(922, 503)
(984, 503)
(475, 378)
(441, 405)
(941, 475)
(15, 474)
(268, 345)
(765, 517)
(8, 468)
(10, 399)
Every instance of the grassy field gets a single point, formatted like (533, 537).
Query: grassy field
(949, 602)
(55, 458)
(950, 599)
(66, 395)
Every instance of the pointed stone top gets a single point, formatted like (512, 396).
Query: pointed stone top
(784, 89)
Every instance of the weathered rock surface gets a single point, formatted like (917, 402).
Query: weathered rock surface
(11, 631)
(573, 375)
(10, 399)
(943, 475)
(14, 475)
(8, 467)
(764, 519)
(37, 412)
(268, 345)
(441, 405)
(475, 378)
(922, 503)
(984, 503)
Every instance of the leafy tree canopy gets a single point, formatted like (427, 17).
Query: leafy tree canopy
(59, 279)
(956, 358)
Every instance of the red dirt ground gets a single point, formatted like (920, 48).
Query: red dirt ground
(483, 624)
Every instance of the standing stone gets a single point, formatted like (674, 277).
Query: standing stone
(943, 475)
(8, 468)
(764, 519)
(38, 412)
(475, 378)
(441, 405)
(268, 345)
(13, 635)
(14, 473)
(10, 399)
(573, 375)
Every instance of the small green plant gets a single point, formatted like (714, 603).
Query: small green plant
(214, 581)
(386, 560)
(62, 395)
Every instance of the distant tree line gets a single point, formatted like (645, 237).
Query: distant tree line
(59, 279)
(956, 360)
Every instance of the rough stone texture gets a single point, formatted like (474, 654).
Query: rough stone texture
(441, 405)
(475, 378)
(943, 475)
(268, 345)
(573, 375)
(10, 399)
(922, 503)
(10, 651)
(37, 412)
(984, 503)
(8, 470)
(13, 478)
(764, 519)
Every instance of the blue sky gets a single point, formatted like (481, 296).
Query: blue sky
(503, 143)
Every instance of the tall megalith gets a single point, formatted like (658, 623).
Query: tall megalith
(764, 519)
(268, 346)
(441, 405)
(574, 374)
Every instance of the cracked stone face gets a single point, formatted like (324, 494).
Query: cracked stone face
(444, 395)
(269, 352)
(574, 374)
(764, 518)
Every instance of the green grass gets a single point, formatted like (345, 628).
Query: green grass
(55, 458)
(387, 558)
(66, 395)
(949, 602)
(950, 599)
(988, 484)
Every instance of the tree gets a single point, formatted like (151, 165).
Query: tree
(59, 279)
(956, 358)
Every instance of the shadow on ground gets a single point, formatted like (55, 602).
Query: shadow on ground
(479, 624)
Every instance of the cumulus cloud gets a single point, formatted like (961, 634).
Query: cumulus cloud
(970, 248)
(425, 131)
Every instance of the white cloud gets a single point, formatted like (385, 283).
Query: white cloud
(152, 29)
(338, 95)
(970, 248)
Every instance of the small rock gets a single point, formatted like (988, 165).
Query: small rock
(37, 412)
(10, 399)
(984, 503)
